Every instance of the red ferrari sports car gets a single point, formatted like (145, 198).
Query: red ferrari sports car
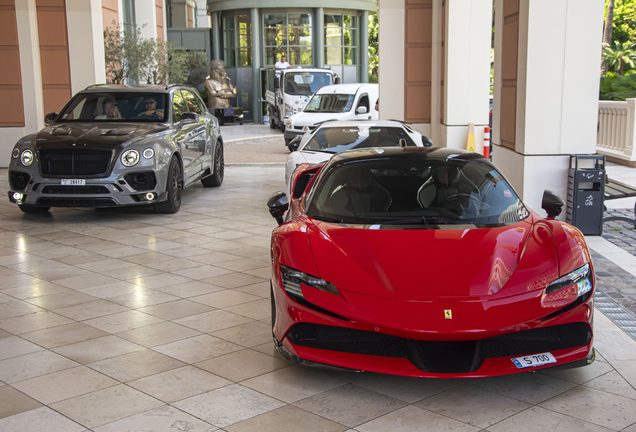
(424, 262)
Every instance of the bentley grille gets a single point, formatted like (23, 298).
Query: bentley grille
(74, 162)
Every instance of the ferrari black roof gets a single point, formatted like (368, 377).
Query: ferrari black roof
(429, 153)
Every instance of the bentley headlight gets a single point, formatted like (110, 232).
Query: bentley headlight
(580, 277)
(16, 153)
(293, 278)
(148, 153)
(26, 158)
(130, 158)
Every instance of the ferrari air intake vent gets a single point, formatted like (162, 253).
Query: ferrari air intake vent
(76, 202)
(347, 340)
(141, 181)
(538, 340)
(75, 190)
(19, 180)
(74, 162)
(441, 356)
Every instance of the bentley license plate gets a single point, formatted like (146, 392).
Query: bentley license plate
(73, 182)
(534, 360)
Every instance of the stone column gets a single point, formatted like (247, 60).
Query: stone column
(85, 43)
(467, 40)
(216, 35)
(364, 47)
(256, 65)
(319, 37)
(545, 91)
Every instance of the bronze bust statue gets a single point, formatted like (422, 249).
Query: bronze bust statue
(219, 86)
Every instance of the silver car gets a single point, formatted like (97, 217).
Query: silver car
(115, 145)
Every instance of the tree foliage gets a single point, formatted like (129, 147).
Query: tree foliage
(154, 61)
(373, 48)
(619, 55)
(618, 87)
(624, 28)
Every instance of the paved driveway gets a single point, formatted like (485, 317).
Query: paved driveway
(124, 320)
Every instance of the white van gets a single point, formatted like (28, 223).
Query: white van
(333, 102)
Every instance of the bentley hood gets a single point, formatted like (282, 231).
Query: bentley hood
(93, 135)
(436, 264)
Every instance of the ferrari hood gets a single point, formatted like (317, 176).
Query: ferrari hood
(428, 264)
(91, 135)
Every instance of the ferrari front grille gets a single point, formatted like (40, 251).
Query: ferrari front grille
(441, 356)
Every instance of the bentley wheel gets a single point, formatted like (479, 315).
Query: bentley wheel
(32, 209)
(174, 187)
(216, 179)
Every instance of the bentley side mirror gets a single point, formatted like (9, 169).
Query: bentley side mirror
(336, 80)
(361, 110)
(189, 117)
(552, 204)
(278, 205)
(50, 118)
(426, 141)
(294, 143)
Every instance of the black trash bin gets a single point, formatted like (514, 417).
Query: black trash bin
(586, 188)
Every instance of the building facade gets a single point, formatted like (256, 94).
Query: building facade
(54, 48)
(252, 35)
(435, 73)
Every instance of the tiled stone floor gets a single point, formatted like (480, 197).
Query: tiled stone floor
(123, 320)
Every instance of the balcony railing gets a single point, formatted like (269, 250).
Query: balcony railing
(616, 132)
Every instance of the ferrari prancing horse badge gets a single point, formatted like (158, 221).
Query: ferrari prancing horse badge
(448, 314)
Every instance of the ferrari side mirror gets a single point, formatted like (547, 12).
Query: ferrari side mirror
(552, 204)
(278, 205)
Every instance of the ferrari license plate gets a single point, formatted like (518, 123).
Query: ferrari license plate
(73, 182)
(534, 360)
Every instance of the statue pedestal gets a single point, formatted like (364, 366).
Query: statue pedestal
(228, 115)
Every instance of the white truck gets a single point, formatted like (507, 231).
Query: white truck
(289, 90)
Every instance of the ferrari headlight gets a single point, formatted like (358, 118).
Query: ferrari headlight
(26, 158)
(580, 277)
(130, 158)
(293, 278)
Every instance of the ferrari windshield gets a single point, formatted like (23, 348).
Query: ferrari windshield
(305, 83)
(337, 139)
(116, 106)
(330, 103)
(417, 192)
